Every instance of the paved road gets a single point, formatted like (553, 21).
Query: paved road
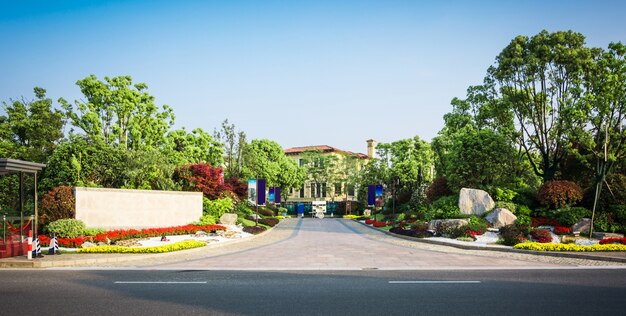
(339, 244)
(139, 292)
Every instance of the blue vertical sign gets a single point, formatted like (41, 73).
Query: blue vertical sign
(371, 195)
(277, 195)
(260, 191)
(270, 197)
(379, 195)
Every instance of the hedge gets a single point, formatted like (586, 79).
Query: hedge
(569, 247)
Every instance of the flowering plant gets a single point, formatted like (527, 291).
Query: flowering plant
(541, 235)
(606, 241)
(562, 230)
(543, 221)
(369, 221)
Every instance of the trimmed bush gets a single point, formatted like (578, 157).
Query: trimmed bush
(526, 196)
(67, 228)
(559, 193)
(254, 230)
(571, 215)
(502, 194)
(511, 235)
(438, 189)
(271, 222)
(266, 212)
(58, 203)
(217, 207)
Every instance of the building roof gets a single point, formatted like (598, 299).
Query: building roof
(323, 148)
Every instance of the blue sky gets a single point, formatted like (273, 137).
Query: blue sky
(298, 72)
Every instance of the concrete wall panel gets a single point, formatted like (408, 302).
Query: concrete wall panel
(122, 209)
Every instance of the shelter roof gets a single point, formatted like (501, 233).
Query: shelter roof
(13, 165)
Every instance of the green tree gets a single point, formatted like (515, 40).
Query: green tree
(31, 129)
(540, 80)
(198, 146)
(116, 112)
(235, 145)
(604, 114)
(265, 159)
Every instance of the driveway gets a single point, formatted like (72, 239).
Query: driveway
(342, 244)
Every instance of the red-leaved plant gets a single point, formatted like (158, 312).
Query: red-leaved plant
(559, 193)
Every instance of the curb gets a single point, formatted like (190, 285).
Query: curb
(574, 255)
(23, 263)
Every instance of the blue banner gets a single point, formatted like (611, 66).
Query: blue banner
(277, 195)
(270, 196)
(252, 191)
(379, 190)
(260, 191)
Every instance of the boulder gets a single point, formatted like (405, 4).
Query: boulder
(367, 212)
(475, 202)
(601, 235)
(500, 217)
(228, 219)
(232, 234)
(87, 244)
(583, 225)
(434, 224)
(201, 233)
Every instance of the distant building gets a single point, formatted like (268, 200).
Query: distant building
(338, 191)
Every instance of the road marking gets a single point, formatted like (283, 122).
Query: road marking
(160, 282)
(433, 282)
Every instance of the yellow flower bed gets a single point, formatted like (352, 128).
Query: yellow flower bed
(569, 247)
(181, 245)
(351, 216)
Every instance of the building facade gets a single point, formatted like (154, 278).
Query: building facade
(331, 182)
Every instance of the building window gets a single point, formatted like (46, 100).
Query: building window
(302, 192)
(338, 188)
(351, 189)
(301, 162)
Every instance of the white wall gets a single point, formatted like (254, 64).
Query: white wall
(117, 208)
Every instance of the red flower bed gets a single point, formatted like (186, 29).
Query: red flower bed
(541, 235)
(562, 230)
(369, 221)
(121, 234)
(380, 224)
(613, 241)
(542, 221)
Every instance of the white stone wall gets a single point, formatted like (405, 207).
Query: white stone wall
(122, 209)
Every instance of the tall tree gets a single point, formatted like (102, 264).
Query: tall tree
(235, 144)
(118, 112)
(265, 159)
(197, 146)
(604, 113)
(31, 129)
(540, 79)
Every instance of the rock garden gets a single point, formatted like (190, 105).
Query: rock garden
(549, 220)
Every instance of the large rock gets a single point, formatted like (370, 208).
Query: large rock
(228, 219)
(500, 217)
(435, 224)
(475, 202)
(583, 225)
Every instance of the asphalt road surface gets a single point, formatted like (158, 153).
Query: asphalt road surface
(368, 292)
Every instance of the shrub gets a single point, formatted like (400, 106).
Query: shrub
(57, 204)
(271, 222)
(419, 231)
(476, 226)
(445, 207)
(266, 212)
(511, 235)
(569, 247)
(559, 193)
(523, 215)
(204, 178)
(217, 207)
(525, 196)
(571, 215)
(502, 194)
(94, 231)
(620, 213)
(206, 219)
(605, 222)
(541, 235)
(254, 230)
(379, 224)
(67, 228)
(438, 189)
(507, 205)
(543, 221)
